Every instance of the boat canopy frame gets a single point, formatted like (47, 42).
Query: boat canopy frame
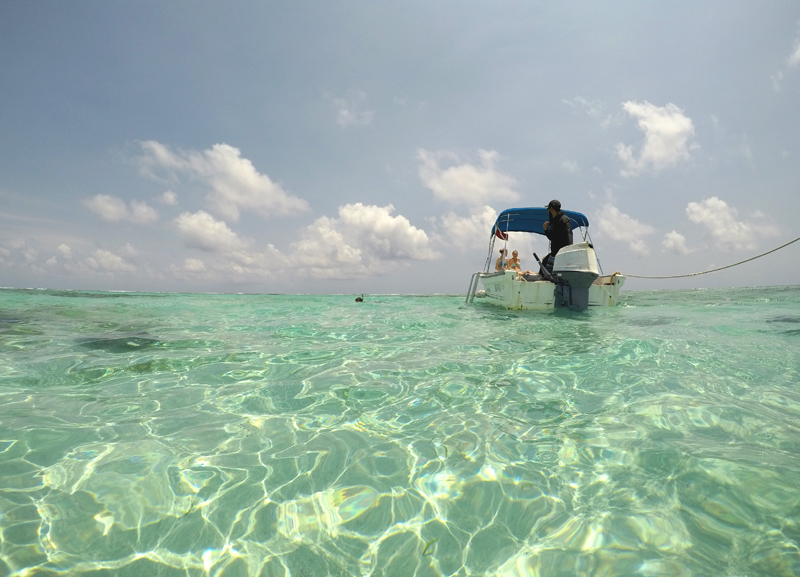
(531, 220)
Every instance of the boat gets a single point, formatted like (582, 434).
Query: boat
(576, 280)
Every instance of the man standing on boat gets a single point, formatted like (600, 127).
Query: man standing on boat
(559, 230)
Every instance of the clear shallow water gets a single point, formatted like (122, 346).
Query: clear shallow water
(310, 435)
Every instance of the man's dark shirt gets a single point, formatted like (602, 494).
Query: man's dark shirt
(559, 232)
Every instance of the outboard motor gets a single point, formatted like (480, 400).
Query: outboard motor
(575, 269)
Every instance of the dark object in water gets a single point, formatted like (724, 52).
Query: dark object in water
(360, 299)
(118, 344)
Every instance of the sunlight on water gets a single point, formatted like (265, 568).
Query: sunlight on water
(239, 435)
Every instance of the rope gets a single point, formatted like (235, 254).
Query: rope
(720, 268)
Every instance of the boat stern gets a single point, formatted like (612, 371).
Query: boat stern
(576, 265)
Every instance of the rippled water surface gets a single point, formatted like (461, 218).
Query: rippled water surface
(239, 435)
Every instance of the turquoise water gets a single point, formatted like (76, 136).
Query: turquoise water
(310, 435)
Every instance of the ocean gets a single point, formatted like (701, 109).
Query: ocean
(275, 435)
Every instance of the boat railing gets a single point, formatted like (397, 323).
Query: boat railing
(473, 287)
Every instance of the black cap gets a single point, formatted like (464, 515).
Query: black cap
(554, 204)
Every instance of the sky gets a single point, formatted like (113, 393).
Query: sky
(367, 147)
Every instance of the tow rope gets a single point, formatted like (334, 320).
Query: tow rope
(716, 269)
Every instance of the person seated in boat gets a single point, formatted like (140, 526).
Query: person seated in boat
(502, 263)
(559, 230)
(515, 264)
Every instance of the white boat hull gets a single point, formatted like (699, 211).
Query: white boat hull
(507, 290)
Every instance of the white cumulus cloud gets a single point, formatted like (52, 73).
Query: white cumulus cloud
(30, 254)
(18, 250)
(777, 78)
(667, 131)
(142, 213)
(622, 227)
(351, 110)
(112, 209)
(106, 261)
(203, 231)
(794, 57)
(194, 265)
(168, 198)
(128, 251)
(466, 183)
(675, 242)
(363, 239)
(570, 166)
(592, 108)
(720, 221)
(791, 61)
(467, 233)
(235, 183)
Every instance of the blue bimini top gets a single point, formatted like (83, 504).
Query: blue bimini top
(532, 220)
